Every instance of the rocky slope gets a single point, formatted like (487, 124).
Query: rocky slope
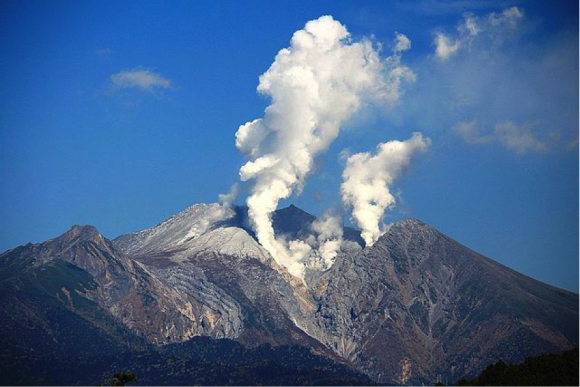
(413, 307)
(421, 305)
(180, 304)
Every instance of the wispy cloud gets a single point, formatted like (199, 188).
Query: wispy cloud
(103, 52)
(445, 7)
(469, 132)
(492, 25)
(445, 47)
(402, 43)
(139, 78)
(500, 75)
(518, 138)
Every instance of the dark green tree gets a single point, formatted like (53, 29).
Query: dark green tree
(122, 378)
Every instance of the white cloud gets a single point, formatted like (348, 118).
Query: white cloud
(316, 85)
(469, 131)
(367, 181)
(448, 7)
(470, 25)
(445, 46)
(402, 42)
(502, 74)
(141, 79)
(517, 138)
(492, 25)
(509, 17)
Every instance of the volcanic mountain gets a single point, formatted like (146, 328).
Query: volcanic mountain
(414, 307)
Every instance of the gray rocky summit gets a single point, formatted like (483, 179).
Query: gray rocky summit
(413, 307)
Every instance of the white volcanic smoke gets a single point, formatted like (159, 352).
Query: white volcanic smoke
(366, 181)
(315, 85)
(328, 229)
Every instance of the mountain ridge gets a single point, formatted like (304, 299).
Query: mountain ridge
(415, 305)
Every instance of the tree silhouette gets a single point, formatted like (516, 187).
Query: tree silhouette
(122, 378)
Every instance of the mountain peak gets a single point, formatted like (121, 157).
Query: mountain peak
(79, 228)
(81, 233)
(410, 225)
(411, 222)
(292, 220)
(293, 210)
(87, 231)
(177, 230)
(411, 304)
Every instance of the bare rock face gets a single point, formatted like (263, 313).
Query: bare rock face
(269, 302)
(415, 307)
(421, 305)
(163, 304)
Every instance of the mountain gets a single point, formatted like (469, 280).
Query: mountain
(415, 307)
(419, 303)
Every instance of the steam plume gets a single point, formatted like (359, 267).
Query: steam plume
(315, 85)
(367, 178)
(328, 229)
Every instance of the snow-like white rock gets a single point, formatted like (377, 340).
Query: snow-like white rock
(173, 233)
(233, 241)
(191, 232)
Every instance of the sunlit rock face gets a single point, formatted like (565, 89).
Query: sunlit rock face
(414, 305)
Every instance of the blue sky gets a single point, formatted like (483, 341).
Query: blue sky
(122, 114)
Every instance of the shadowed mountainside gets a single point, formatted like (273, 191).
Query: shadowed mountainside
(415, 306)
